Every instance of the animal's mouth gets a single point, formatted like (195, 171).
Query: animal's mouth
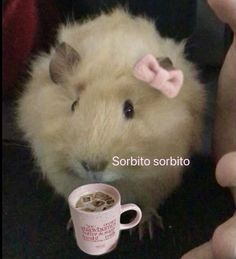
(104, 176)
(96, 176)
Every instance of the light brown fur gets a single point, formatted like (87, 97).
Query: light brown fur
(109, 46)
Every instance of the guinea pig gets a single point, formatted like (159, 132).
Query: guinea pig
(99, 94)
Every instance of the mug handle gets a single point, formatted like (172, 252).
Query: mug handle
(136, 220)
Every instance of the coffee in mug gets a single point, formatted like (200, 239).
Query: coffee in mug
(93, 202)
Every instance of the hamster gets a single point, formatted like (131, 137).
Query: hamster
(83, 105)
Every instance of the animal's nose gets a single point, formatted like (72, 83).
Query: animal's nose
(95, 166)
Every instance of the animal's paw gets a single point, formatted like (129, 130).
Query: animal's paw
(69, 225)
(149, 220)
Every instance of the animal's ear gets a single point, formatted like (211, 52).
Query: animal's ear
(64, 59)
(160, 74)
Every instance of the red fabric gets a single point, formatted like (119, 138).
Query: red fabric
(20, 22)
(26, 28)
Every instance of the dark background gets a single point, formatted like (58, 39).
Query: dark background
(174, 18)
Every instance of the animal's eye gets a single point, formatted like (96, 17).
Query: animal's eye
(73, 105)
(128, 109)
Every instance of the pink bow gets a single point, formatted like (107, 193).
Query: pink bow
(149, 70)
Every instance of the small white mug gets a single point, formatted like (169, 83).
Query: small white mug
(97, 232)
